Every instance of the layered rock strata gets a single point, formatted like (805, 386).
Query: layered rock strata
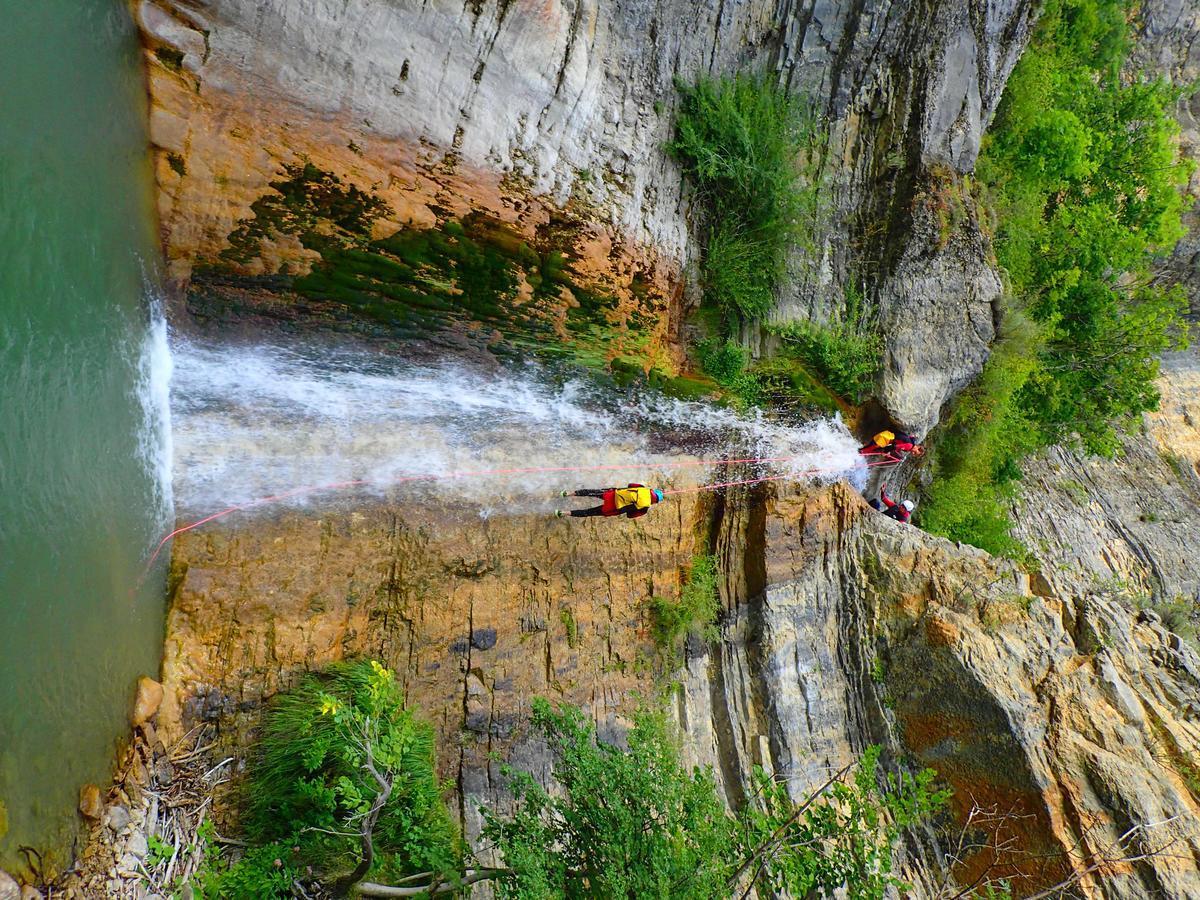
(1064, 716)
(1129, 526)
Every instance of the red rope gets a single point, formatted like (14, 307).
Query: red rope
(723, 484)
(527, 470)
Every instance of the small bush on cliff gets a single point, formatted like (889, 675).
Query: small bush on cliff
(842, 357)
(696, 609)
(341, 758)
(728, 364)
(743, 141)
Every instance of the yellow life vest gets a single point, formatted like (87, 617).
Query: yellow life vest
(640, 497)
(884, 439)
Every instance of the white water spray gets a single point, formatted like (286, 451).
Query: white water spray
(253, 421)
(153, 390)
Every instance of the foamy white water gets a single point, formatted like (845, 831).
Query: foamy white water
(153, 391)
(255, 421)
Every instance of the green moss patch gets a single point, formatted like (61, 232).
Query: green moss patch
(475, 276)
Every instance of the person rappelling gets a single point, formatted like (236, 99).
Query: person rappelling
(901, 512)
(633, 500)
(892, 446)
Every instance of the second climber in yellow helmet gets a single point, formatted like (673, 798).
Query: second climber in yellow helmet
(892, 445)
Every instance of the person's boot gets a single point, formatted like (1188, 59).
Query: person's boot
(558, 513)
(564, 493)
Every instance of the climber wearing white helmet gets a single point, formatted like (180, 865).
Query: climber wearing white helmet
(901, 511)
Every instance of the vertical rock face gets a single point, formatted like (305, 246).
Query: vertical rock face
(908, 88)
(536, 113)
(1130, 525)
(476, 616)
(1061, 720)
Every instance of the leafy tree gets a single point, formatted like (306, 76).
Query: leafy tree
(635, 823)
(629, 824)
(1083, 171)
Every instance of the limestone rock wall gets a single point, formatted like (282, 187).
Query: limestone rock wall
(1066, 717)
(1070, 714)
(476, 616)
(525, 108)
(1130, 525)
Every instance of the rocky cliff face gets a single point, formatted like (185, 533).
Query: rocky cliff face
(550, 118)
(1061, 719)
(477, 617)
(292, 135)
(1128, 525)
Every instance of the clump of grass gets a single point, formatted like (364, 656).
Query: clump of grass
(727, 363)
(694, 612)
(741, 142)
(1178, 615)
(843, 358)
(572, 627)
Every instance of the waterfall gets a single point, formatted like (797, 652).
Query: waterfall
(152, 390)
(253, 420)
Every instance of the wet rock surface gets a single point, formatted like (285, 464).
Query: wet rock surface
(552, 118)
(559, 609)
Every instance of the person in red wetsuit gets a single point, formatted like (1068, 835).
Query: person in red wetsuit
(633, 500)
(893, 446)
(901, 512)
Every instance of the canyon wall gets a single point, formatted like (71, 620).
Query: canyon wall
(292, 136)
(550, 118)
(1067, 717)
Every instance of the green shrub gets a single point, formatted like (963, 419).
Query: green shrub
(1178, 614)
(256, 874)
(636, 823)
(696, 609)
(976, 454)
(841, 357)
(727, 363)
(309, 786)
(740, 140)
